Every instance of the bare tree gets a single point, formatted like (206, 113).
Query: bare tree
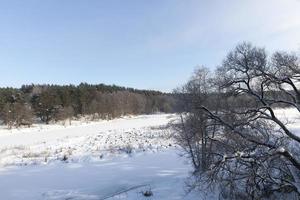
(17, 114)
(253, 154)
(194, 126)
(65, 113)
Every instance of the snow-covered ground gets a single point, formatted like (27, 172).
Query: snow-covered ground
(41, 133)
(117, 159)
(163, 173)
(93, 160)
(85, 141)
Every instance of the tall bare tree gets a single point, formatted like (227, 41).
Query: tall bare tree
(253, 154)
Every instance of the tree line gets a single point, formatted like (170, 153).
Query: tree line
(46, 103)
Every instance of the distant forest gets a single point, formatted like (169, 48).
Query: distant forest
(47, 103)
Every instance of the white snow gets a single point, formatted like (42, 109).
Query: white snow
(85, 142)
(42, 133)
(93, 160)
(164, 173)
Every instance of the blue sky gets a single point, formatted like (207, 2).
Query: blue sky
(149, 44)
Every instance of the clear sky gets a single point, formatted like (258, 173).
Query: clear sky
(149, 44)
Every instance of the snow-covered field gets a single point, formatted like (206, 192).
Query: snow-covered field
(163, 173)
(93, 160)
(117, 159)
(84, 141)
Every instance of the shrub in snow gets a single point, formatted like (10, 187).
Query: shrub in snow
(128, 149)
(147, 193)
(65, 158)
